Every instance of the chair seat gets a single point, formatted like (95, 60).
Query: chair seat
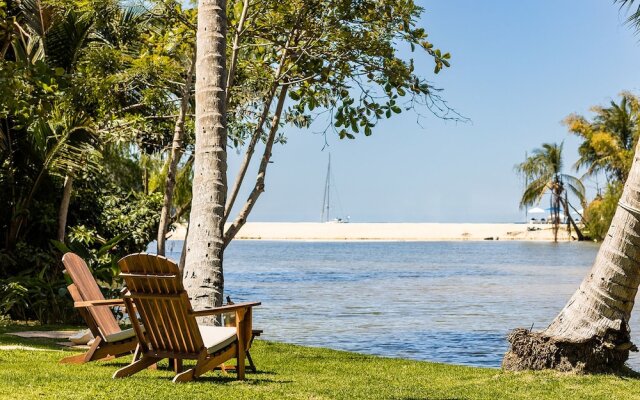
(217, 337)
(122, 335)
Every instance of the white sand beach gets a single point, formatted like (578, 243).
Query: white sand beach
(390, 231)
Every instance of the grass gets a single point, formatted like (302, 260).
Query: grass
(291, 372)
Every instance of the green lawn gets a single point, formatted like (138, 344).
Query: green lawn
(291, 372)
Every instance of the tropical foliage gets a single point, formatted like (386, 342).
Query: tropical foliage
(85, 100)
(97, 116)
(608, 146)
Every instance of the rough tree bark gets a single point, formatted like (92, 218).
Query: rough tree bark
(174, 159)
(591, 333)
(203, 276)
(64, 207)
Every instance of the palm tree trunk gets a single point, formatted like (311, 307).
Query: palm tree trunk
(64, 207)
(554, 215)
(565, 202)
(592, 332)
(174, 159)
(203, 276)
(572, 221)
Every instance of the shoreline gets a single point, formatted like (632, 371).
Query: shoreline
(392, 232)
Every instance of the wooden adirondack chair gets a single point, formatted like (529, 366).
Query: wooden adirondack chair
(110, 341)
(154, 286)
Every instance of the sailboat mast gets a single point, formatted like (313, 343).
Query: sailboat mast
(326, 198)
(328, 186)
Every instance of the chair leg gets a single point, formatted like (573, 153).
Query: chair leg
(240, 358)
(185, 376)
(251, 366)
(77, 359)
(177, 365)
(137, 353)
(135, 366)
(84, 357)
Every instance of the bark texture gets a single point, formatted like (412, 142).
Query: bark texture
(63, 211)
(591, 333)
(203, 276)
(174, 159)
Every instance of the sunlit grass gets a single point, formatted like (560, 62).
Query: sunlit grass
(291, 372)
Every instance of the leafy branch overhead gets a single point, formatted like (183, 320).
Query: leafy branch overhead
(337, 57)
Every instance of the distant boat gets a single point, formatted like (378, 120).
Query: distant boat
(326, 201)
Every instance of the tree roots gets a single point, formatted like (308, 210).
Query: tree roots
(535, 351)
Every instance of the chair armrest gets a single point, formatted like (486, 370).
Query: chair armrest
(224, 309)
(96, 303)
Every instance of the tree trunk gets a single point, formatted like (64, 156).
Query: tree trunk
(174, 159)
(553, 201)
(572, 221)
(64, 207)
(591, 333)
(203, 276)
(183, 253)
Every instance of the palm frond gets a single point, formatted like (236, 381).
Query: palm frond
(575, 186)
(535, 190)
(634, 16)
(66, 38)
(36, 16)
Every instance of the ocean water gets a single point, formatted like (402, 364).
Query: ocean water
(451, 302)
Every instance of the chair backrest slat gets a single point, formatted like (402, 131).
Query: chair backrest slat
(155, 285)
(88, 289)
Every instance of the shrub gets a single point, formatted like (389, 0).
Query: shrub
(599, 213)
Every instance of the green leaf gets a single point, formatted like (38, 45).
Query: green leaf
(367, 130)
(60, 246)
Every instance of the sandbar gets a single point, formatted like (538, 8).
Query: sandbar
(331, 231)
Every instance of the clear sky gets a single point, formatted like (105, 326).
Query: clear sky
(518, 69)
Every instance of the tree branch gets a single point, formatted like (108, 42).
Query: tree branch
(259, 186)
(175, 156)
(258, 131)
(236, 47)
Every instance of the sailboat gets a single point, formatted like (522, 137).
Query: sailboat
(326, 200)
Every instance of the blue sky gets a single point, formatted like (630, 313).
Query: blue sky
(518, 69)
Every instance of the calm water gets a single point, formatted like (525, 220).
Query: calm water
(452, 302)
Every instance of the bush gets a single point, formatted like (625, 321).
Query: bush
(108, 225)
(38, 291)
(599, 213)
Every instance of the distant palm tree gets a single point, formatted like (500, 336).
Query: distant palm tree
(543, 171)
(609, 140)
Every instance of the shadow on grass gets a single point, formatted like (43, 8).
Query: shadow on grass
(627, 373)
(429, 398)
(231, 379)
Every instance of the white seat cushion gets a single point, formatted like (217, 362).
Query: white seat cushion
(122, 335)
(217, 337)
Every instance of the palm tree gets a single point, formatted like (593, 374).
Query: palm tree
(543, 171)
(591, 333)
(205, 245)
(609, 140)
(56, 38)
